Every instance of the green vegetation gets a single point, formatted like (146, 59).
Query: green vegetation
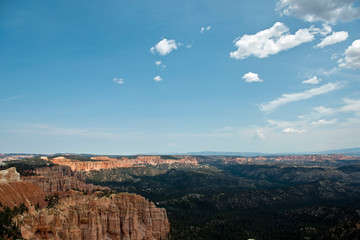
(52, 200)
(247, 201)
(8, 229)
(26, 167)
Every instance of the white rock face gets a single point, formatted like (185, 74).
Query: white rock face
(9, 175)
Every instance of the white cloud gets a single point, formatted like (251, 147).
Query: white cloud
(294, 97)
(270, 41)
(351, 106)
(352, 56)
(164, 47)
(324, 122)
(293, 130)
(158, 63)
(118, 80)
(259, 135)
(205, 29)
(313, 80)
(251, 77)
(335, 37)
(324, 111)
(157, 79)
(319, 10)
(12, 98)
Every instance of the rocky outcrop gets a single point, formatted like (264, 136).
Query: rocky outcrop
(98, 163)
(59, 179)
(13, 192)
(9, 175)
(88, 217)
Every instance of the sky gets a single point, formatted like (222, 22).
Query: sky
(166, 76)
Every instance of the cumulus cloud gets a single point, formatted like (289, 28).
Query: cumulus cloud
(251, 77)
(270, 41)
(157, 79)
(335, 37)
(293, 130)
(320, 10)
(164, 47)
(324, 122)
(118, 80)
(313, 80)
(158, 63)
(205, 29)
(294, 97)
(259, 135)
(352, 56)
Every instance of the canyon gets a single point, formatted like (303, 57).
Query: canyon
(79, 211)
(96, 163)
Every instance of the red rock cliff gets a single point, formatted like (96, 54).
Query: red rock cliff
(88, 217)
(99, 163)
(13, 192)
(59, 179)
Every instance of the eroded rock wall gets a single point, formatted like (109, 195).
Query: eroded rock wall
(58, 179)
(88, 217)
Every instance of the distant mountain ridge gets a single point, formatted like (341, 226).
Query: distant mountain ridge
(345, 151)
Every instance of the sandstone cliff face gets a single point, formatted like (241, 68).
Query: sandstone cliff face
(99, 163)
(87, 217)
(13, 192)
(59, 179)
(9, 175)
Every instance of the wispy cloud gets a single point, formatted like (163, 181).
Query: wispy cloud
(293, 130)
(313, 80)
(335, 37)
(12, 98)
(323, 111)
(294, 97)
(351, 105)
(259, 135)
(324, 122)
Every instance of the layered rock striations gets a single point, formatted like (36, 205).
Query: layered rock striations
(59, 179)
(13, 191)
(88, 217)
(98, 163)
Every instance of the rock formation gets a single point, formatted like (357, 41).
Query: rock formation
(59, 179)
(98, 163)
(13, 192)
(88, 217)
(9, 175)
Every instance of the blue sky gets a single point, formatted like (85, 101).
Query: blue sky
(126, 77)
